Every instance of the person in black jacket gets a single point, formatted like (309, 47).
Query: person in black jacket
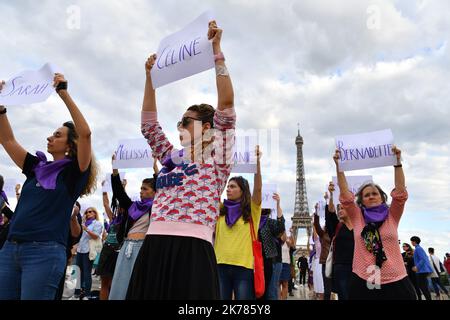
(302, 264)
(134, 225)
(340, 231)
(269, 230)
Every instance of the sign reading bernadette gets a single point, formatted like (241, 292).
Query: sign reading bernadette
(366, 150)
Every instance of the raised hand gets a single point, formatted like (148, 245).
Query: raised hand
(398, 154)
(258, 153)
(59, 82)
(149, 63)
(214, 33)
(336, 157)
(276, 197)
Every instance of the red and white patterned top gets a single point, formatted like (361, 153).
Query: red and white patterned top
(187, 198)
(393, 269)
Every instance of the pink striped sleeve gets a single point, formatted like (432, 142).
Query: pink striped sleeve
(152, 131)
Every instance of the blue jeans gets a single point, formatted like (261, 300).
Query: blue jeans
(274, 286)
(31, 270)
(124, 268)
(341, 278)
(236, 279)
(85, 266)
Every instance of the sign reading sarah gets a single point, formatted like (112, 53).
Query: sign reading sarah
(29, 86)
(184, 53)
(133, 153)
(366, 150)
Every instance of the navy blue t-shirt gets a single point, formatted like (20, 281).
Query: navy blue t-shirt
(44, 215)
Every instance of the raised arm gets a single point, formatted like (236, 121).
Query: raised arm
(257, 182)
(317, 226)
(118, 189)
(106, 204)
(15, 151)
(81, 126)
(331, 207)
(400, 185)
(342, 181)
(75, 227)
(225, 92)
(149, 103)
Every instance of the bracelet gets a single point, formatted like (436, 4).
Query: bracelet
(3, 111)
(219, 56)
(221, 71)
(61, 86)
(397, 166)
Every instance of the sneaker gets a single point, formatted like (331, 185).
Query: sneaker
(291, 294)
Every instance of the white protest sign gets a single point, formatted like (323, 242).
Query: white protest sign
(268, 202)
(29, 86)
(10, 187)
(184, 53)
(321, 208)
(353, 182)
(107, 186)
(133, 153)
(244, 157)
(366, 150)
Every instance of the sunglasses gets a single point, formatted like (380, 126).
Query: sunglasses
(185, 121)
(90, 211)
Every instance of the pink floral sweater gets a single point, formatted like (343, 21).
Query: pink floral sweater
(188, 195)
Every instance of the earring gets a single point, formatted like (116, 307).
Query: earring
(66, 153)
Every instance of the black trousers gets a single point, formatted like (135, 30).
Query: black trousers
(302, 276)
(268, 269)
(398, 290)
(422, 283)
(327, 283)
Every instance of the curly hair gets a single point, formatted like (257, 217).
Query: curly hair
(72, 140)
(205, 112)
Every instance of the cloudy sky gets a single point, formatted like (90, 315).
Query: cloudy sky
(334, 67)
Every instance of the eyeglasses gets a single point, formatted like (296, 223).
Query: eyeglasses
(185, 121)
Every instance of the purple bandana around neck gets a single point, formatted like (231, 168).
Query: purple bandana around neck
(88, 222)
(47, 171)
(234, 211)
(139, 208)
(263, 221)
(168, 164)
(3, 195)
(376, 214)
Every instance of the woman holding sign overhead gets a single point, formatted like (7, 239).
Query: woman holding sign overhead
(33, 259)
(378, 269)
(177, 259)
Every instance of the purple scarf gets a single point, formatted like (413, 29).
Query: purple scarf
(139, 208)
(234, 211)
(376, 214)
(263, 221)
(168, 164)
(3, 195)
(47, 171)
(88, 222)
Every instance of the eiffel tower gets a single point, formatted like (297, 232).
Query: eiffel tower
(301, 221)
